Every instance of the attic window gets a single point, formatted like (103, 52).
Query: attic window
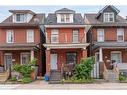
(20, 18)
(108, 17)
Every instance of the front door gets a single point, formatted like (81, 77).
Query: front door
(8, 60)
(53, 61)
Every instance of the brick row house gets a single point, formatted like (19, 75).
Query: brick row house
(65, 39)
(21, 38)
(107, 36)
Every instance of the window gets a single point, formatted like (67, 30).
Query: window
(30, 36)
(65, 18)
(108, 17)
(75, 36)
(120, 35)
(71, 58)
(20, 18)
(100, 35)
(54, 36)
(116, 56)
(9, 36)
(25, 58)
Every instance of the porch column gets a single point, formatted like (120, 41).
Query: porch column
(100, 55)
(2, 58)
(47, 60)
(32, 54)
(84, 53)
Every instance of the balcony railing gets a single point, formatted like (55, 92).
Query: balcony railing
(66, 38)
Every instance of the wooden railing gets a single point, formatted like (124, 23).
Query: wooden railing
(115, 69)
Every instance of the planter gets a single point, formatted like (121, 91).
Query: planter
(16, 74)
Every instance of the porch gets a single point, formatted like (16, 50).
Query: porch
(111, 61)
(14, 54)
(57, 58)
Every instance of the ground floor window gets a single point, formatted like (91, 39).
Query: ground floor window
(116, 56)
(71, 58)
(25, 58)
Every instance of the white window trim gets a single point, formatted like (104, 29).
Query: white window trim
(73, 36)
(7, 36)
(108, 16)
(28, 41)
(117, 34)
(55, 30)
(98, 40)
(21, 56)
(117, 52)
(65, 21)
(20, 21)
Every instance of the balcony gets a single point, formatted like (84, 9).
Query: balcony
(66, 40)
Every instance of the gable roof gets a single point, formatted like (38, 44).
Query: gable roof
(65, 10)
(52, 20)
(107, 6)
(91, 19)
(22, 11)
(36, 20)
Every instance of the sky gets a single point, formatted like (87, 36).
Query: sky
(4, 13)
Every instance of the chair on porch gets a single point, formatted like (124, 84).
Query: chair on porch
(67, 70)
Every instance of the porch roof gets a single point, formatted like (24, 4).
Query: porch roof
(11, 46)
(110, 44)
(57, 46)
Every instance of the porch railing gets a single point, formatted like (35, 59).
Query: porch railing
(66, 38)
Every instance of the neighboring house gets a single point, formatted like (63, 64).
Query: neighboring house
(65, 39)
(107, 37)
(21, 38)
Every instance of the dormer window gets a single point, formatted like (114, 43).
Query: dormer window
(20, 18)
(65, 18)
(108, 17)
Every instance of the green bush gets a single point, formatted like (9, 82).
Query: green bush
(16, 67)
(122, 77)
(26, 80)
(33, 62)
(83, 70)
(26, 70)
(13, 79)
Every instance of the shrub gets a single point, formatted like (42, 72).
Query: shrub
(33, 62)
(13, 78)
(26, 70)
(26, 80)
(122, 77)
(16, 67)
(83, 70)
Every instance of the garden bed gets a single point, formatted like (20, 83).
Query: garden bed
(82, 81)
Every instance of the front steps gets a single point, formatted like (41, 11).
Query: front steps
(111, 76)
(4, 76)
(55, 77)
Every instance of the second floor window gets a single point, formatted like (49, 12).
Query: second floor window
(30, 36)
(9, 36)
(108, 17)
(54, 36)
(100, 35)
(20, 18)
(120, 35)
(75, 36)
